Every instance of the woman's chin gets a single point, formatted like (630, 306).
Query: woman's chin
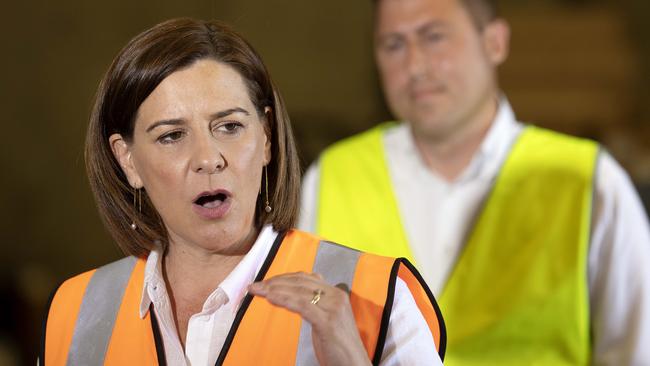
(223, 237)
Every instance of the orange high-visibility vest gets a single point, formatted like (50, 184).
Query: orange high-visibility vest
(94, 317)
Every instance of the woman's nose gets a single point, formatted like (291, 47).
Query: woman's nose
(208, 157)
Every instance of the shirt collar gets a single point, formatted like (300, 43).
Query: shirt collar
(495, 145)
(234, 286)
(153, 280)
(487, 159)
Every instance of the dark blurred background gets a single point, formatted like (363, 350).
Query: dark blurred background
(580, 67)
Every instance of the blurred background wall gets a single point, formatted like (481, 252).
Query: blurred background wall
(576, 66)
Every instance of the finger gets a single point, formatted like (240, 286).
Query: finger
(298, 300)
(297, 292)
(327, 298)
(307, 283)
(300, 289)
(299, 282)
(294, 291)
(298, 276)
(344, 287)
(300, 279)
(263, 288)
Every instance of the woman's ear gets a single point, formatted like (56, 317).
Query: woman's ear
(122, 152)
(268, 117)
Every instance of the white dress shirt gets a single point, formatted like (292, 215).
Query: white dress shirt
(408, 340)
(438, 214)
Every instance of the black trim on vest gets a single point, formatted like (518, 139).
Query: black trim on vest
(441, 320)
(385, 317)
(157, 338)
(41, 356)
(248, 298)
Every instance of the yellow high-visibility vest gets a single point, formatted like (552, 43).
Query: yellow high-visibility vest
(94, 318)
(518, 294)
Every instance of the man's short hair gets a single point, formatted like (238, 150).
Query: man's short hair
(481, 11)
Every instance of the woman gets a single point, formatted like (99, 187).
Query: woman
(192, 162)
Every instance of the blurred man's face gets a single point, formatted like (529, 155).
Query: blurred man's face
(436, 66)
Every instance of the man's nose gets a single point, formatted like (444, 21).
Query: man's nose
(415, 61)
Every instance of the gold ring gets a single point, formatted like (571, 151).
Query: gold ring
(316, 298)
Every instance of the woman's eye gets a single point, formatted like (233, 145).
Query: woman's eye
(170, 137)
(230, 127)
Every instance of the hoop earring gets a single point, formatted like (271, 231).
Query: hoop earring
(139, 192)
(267, 206)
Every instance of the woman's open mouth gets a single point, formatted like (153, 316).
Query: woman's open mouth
(212, 205)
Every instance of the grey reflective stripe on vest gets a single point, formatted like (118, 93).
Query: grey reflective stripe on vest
(337, 265)
(98, 312)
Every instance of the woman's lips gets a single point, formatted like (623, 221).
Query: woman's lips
(212, 205)
(213, 210)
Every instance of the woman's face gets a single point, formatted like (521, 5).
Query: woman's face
(198, 149)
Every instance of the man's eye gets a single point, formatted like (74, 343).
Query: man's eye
(434, 37)
(170, 137)
(393, 45)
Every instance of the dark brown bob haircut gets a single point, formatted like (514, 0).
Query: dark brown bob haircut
(136, 71)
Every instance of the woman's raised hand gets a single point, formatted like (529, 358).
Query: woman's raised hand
(327, 308)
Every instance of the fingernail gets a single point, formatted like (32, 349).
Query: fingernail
(255, 287)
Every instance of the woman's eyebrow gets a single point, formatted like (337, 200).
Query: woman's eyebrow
(228, 112)
(165, 122)
(179, 121)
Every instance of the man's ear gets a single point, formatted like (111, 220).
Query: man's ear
(268, 117)
(122, 152)
(496, 38)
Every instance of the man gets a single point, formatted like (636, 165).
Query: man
(536, 241)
